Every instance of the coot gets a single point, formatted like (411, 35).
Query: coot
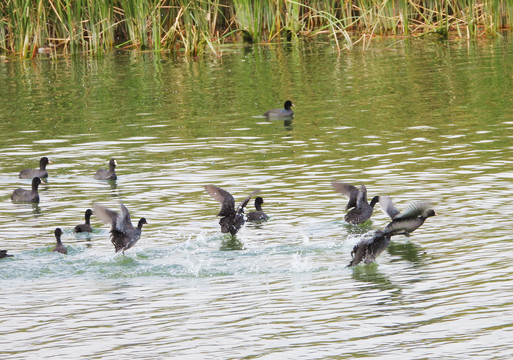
(285, 112)
(259, 214)
(59, 247)
(370, 247)
(361, 210)
(110, 174)
(27, 196)
(409, 220)
(123, 234)
(40, 173)
(231, 219)
(86, 227)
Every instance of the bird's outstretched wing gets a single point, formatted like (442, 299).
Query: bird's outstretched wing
(244, 202)
(388, 207)
(123, 221)
(350, 191)
(106, 215)
(414, 209)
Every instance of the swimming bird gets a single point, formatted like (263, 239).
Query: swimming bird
(59, 247)
(259, 214)
(110, 174)
(285, 112)
(370, 247)
(86, 227)
(40, 173)
(231, 220)
(4, 254)
(409, 220)
(361, 210)
(123, 234)
(27, 196)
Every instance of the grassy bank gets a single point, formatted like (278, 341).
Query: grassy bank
(191, 27)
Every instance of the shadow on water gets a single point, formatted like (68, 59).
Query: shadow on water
(84, 238)
(407, 251)
(36, 210)
(230, 243)
(358, 229)
(258, 225)
(287, 124)
(113, 184)
(371, 274)
(287, 121)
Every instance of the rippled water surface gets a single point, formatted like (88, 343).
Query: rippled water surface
(414, 121)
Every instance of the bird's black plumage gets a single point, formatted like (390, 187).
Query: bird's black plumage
(407, 221)
(110, 174)
(231, 219)
(402, 224)
(27, 196)
(86, 226)
(123, 234)
(360, 210)
(259, 214)
(285, 112)
(59, 247)
(370, 247)
(40, 173)
(4, 254)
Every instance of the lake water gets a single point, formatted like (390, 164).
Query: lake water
(413, 120)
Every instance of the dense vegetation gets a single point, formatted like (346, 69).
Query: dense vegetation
(193, 26)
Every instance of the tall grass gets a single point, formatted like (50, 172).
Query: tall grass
(193, 26)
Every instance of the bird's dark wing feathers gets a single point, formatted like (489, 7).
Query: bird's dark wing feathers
(388, 207)
(244, 202)
(107, 216)
(350, 191)
(124, 222)
(224, 197)
(414, 209)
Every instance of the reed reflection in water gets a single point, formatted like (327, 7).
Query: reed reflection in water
(423, 121)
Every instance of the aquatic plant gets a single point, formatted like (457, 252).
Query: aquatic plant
(192, 26)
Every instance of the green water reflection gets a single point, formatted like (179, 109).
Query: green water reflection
(410, 119)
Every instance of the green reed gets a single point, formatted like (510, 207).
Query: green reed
(193, 26)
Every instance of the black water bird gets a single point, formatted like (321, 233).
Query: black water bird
(370, 247)
(259, 214)
(4, 254)
(40, 173)
(231, 220)
(59, 247)
(110, 174)
(123, 234)
(285, 112)
(361, 210)
(86, 227)
(27, 196)
(407, 221)
(402, 224)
